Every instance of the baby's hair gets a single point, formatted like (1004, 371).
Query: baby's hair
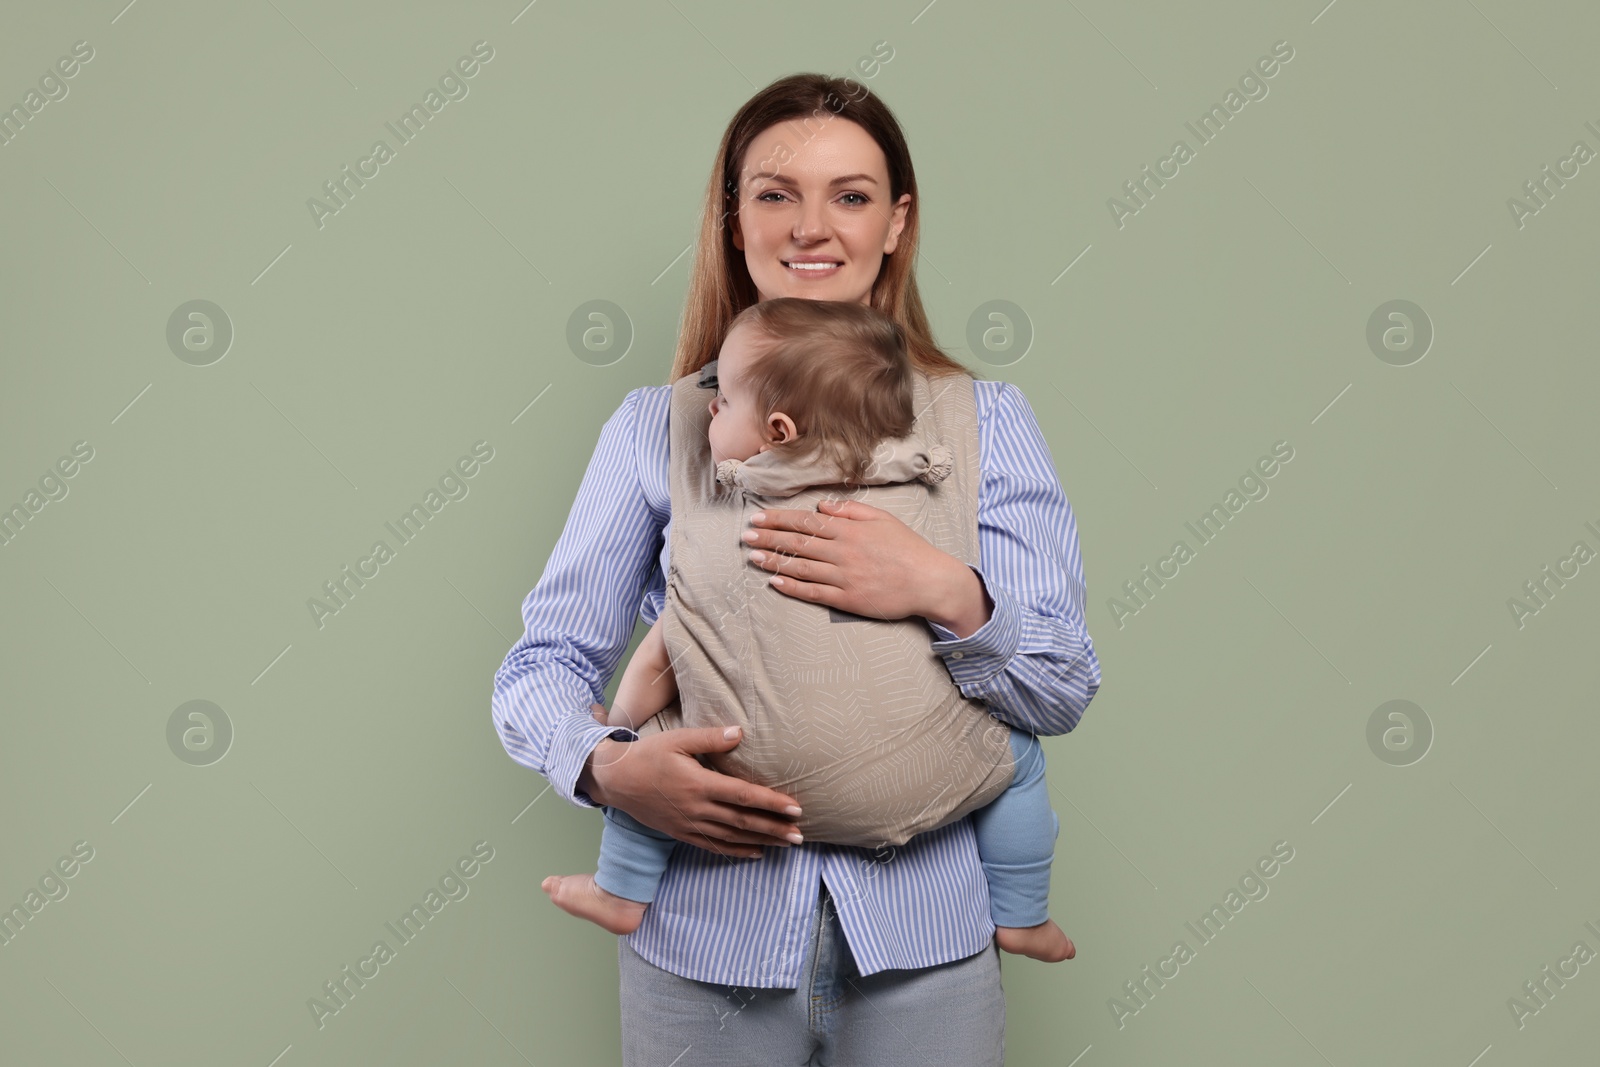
(840, 370)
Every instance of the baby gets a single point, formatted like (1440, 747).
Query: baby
(772, 432)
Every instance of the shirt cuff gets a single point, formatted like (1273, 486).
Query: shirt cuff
(984, 653)
(575, 738)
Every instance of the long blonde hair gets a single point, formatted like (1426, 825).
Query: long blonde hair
(719, 290)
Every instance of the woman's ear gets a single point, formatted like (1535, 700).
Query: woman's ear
(897, 223)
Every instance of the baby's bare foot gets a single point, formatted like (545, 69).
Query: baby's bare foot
(1045, 942)
(578, 894)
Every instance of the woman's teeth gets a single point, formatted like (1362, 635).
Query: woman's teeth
(811, 266)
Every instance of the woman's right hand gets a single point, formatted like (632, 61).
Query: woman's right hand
(658, 781)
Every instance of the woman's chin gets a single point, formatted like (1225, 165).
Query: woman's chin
(821, 289)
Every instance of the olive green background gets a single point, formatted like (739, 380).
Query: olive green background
(370, 353)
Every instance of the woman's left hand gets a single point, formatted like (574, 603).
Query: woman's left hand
(861, 559)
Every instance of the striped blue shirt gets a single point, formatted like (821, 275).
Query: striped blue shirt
(744, 921)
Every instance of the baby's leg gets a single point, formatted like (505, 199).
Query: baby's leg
(632, 859)
(1016, 852)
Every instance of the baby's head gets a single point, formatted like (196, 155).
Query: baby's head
(799, 375)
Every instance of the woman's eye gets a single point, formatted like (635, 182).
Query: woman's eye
(859, 198)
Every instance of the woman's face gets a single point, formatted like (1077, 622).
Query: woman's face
(816, 191)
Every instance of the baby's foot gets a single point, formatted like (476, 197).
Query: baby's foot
(1045, 942)
(578, 894)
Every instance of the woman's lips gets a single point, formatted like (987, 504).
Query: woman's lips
(813, 270)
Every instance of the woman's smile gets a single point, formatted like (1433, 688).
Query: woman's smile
(808, 267)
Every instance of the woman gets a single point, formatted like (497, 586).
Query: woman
(773, 955)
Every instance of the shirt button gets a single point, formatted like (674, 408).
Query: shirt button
(957, 655)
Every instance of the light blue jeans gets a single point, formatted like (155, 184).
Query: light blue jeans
(949, 1015)
(1012, 844)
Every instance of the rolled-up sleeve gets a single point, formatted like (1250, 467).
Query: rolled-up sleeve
(1032, 662)
(579, 617)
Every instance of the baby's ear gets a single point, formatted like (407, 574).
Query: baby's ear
(780, 428)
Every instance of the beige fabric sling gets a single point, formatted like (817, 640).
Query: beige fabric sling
(856, 718)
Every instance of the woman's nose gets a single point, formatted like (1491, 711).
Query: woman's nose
(712, 407)
(812, 223)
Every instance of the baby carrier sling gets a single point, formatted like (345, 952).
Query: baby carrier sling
(858, 719)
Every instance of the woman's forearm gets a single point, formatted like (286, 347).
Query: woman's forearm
(580, 614)
(1031, 659)
(960, 602)
(587, 781)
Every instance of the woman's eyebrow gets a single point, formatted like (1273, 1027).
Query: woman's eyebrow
(843, 179)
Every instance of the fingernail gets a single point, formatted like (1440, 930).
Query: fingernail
(794, 835)
(731, 732)
(791, 810)
(758, 557)
(759, 516)
(749, 535)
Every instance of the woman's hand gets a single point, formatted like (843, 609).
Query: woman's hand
(861, 559)
(658, 781)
